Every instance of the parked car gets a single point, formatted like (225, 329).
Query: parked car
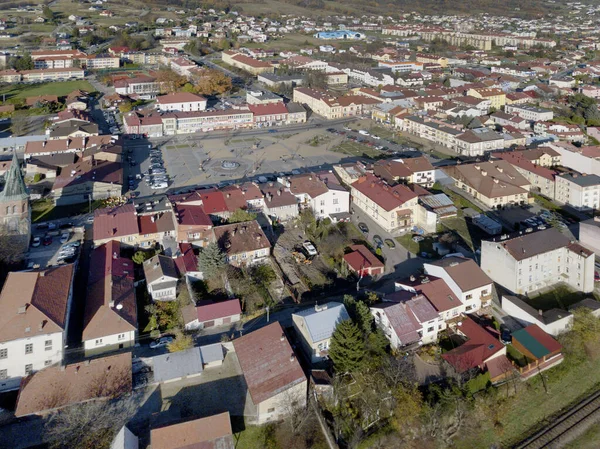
(418, 238)
(505, 334)
(309, 249)
(47, 240)
(363, 228)
(364, 132)
(75, 244)
(65, 237)
(36, 241)
(390, 243)
(161, 342)
(67, 225)
(378, 240)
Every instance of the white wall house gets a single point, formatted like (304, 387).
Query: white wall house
(407, 322)
(311, 192)
(528, 262)
(580, 191)
(530, 113)
(466, 280)
(161, 278)
(181, 102)
(315, 327)
(553, 322)
(34, 315)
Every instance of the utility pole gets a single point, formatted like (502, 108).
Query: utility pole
(267, 314)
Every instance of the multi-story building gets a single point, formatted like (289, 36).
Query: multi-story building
(392, 208)
(416, 170)
(530, 113)
(531, 261)
(110, 319)
(542, 178)
(496, 96)
(95, 62)
(243, 243)
(328, 105)
(181, 102)
(190, 122)
(580, 191)
(312, 192)
(34, 317)
(246, 63)
(145, 86)
(467, 281)
(494, 183)
(57, 74)
(477, 142)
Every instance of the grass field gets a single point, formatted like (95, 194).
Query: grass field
(45, 210)
(59, 88)
(358, 149)
(425, 245)
(459, 225)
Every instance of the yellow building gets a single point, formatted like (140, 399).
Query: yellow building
(496, 96)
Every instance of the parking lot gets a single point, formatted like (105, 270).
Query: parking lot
(54, 244)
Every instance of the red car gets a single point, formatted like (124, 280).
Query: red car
(47, 241)
(596, 276)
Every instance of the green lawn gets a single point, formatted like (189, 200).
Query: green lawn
(459, 225)
(559, 297)
(357, 149)
(59, 88)
(44, 210)
(426, 245)
(513, 354)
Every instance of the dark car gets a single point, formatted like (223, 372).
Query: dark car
(390, 243)
(505, 334)
(273, 130)
(47, 240)
(66, 225)
(363, 228)
(378, 241)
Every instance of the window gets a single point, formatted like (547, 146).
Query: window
(335, 201)
(322, 202)
(430, 329)
(48, 345)
(121, 337)
(469, 297)
(271, 410)
(29, 348)
(484, 292)
(3, 353)
(98, 341)
(47, 362)
(3, 374)
(28, 369)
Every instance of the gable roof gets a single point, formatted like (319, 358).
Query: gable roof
(35, 302)
(115, 222)
(479, 347)
(321, 321)
(536, 341)
(209, 310)
(241, 237)
(110, 302)
(361, 258)
(389, 198)
(56, 387)
(465, 272)
(159, 266)
(403, 321)
(534, 243)
(268, 362)
(212, 432)
(179, 97)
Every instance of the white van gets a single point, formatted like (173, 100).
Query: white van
(363, 132)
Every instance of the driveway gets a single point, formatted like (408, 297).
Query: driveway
(399, 262)
(426, 372)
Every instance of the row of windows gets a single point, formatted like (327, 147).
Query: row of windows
(28, 349)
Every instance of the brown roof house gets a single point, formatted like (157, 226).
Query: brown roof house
(213, 313)
(161, 278)
(273, 375)
(244, 243)
(116, 223)
(363, 262)
(212, 432)
(57, 387)
(466, 280)
(110, 320)
(34, 315)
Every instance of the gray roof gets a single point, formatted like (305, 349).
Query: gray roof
(158, 266)
(164, 285)
(582, 180)
(547, 317)
(175, 365)
(321, 324)
(590, 303)
(14, 187)
(535, 243)
(293, 107)
(212, 353)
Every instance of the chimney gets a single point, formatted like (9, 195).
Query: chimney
(292, 357)
(279, 192)
(412, 278)
(22, 309)
(282, 338)
(42, 274)
(540, 312)
(111, 304)
(115, 255)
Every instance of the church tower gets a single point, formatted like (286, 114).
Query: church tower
(15, 209)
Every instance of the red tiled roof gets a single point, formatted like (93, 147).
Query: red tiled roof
(213, 201)
(187, 261)
(209, 310)
(268, 362)
(479, 347)
(192, 215)
(268, 109)
(115, 222)
(179, 97)
(437, 291)
(381, 193)
(361, 258)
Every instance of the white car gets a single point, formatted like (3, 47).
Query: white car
(363, 132)
(75, 244)
(65, 237)
(376, 137)
(163, 341)
(36, 242)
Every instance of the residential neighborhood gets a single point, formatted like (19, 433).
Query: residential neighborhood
(294, 225)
